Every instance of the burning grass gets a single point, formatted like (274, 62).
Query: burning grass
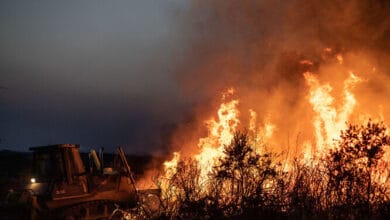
(246, 183)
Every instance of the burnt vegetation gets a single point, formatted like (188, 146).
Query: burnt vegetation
(350, 181)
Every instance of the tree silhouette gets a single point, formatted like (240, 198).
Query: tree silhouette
(245, 175)
(351, 165)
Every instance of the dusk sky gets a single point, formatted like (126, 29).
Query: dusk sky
(95, 73)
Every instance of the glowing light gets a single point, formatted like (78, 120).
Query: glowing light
(221, 132)
(269, 129)
(329, 121)
(171, 166)
(32, 180)
(339, 58)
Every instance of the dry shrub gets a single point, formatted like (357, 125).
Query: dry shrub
(248, 184)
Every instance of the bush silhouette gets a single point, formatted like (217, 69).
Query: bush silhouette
(351, 167)
(246, 177)
(247, 183)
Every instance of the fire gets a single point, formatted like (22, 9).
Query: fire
(221, 132)
(331, 115)
(340, 58)
(269, 129)
(259, 134)
(308, 152)
(170, 168)
(329, 121)
(252, 121)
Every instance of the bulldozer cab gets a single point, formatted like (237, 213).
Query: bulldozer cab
(57, 162)
(59, 171)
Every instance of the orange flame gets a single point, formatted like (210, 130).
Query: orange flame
(329, 121)
(221, 132)
(170, 168)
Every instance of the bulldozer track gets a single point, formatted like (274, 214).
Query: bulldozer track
(99, 209)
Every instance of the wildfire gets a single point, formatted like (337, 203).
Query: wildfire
(170, 168)
(220, 131)
(331, 114)
(329, 121)
(259, 134)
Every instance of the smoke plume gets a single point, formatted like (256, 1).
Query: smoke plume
(262, 49)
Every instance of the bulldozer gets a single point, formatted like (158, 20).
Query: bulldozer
(62, 188)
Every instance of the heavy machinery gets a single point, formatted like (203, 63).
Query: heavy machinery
(62, 188)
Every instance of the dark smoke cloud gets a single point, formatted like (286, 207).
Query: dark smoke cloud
(257, 46)
(249, 35)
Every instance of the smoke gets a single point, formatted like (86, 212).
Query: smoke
(257, 47)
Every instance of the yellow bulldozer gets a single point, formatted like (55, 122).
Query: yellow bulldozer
(61, 188)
